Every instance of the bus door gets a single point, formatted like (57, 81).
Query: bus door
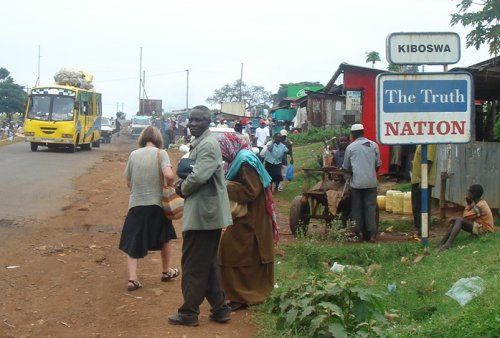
(85, 110)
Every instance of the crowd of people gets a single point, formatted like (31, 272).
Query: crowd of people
(229, 226)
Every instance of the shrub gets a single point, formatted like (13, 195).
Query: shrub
(329, 306)
(317, 135)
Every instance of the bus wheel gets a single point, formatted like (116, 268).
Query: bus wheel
(87, 146)
(34, 146)
(72, 148)
(96, 144)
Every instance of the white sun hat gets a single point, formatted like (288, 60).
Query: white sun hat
(357, 126)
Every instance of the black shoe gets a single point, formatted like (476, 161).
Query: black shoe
(235, 306)
(220, 318)
(178, 319)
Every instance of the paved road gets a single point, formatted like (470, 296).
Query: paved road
(34, 184)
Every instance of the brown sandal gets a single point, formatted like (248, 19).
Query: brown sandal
(169, 275)
(135, 285)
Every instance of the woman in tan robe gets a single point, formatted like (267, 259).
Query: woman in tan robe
(246, 250)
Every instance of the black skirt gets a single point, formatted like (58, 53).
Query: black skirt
(146, 229)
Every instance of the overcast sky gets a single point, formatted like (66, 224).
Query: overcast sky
(276, 41)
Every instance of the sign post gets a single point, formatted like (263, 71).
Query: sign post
(424, 108)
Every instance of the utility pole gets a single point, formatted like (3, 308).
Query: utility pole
(140, 79)
(187, 89)
(38, 78)
(241, 80)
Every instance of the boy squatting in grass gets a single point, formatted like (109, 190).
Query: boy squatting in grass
(477, 217)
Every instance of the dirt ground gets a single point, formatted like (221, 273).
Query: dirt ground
(65, 277)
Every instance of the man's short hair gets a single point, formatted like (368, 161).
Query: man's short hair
(203, 109)
(477, 190)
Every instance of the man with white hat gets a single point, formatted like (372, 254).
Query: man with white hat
(362, 157)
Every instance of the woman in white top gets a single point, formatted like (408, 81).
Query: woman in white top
(146, 227)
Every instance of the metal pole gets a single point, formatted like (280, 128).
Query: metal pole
(241, 79)
(38, 78)
(140, 78)
(424, 198)
(187, 89)
(143, 89)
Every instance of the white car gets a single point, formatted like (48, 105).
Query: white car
(107, 129)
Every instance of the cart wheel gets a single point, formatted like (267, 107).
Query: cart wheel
(299, 216)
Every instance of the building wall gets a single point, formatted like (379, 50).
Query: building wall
(365, 81)
(472, 163)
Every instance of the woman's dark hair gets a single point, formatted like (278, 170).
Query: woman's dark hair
(476, 190)
(150, 134)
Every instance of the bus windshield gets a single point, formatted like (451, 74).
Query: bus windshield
(51, 108)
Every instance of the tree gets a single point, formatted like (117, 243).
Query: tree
(120, 115)
(402, 68)
(12, 96)
(485, 23)
(255, 97)
(372, 57)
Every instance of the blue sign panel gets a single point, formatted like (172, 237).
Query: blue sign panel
(415, 96)
(424, 108)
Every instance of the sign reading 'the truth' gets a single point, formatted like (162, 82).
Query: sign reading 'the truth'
(424, 108)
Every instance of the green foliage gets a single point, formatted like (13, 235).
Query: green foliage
(12, 96)
(403, 186)
(317, 135)
(329, 306)
(372, 57)
(497, 130)
(402, 68)
(120, 115)
(484, 21)
(418, 307)
(255, 97)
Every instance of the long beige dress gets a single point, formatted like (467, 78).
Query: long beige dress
(246, 250)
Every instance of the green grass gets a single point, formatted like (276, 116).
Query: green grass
(304, 156)
(419, 301)
(421, 281)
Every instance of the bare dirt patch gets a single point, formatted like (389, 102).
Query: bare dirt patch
(65, 277)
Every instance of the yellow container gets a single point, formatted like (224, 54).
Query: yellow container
(407, 208)
(381, 202)
(389, 200)
(397, 202)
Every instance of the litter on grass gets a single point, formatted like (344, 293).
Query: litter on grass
(466, 289)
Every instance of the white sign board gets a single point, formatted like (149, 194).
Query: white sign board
(423, 48)
(426, 108)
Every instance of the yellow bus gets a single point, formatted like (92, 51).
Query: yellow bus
(60, 116)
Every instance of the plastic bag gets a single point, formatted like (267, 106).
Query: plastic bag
(263, 152)
(289, 172)
(466, 289)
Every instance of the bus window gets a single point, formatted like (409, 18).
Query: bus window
(85, 108)
(40, 108)
(62, 109)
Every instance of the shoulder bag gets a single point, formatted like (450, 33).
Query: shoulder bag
(173, 204)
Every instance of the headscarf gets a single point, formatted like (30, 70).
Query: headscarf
(230, 144)
(236, 150)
